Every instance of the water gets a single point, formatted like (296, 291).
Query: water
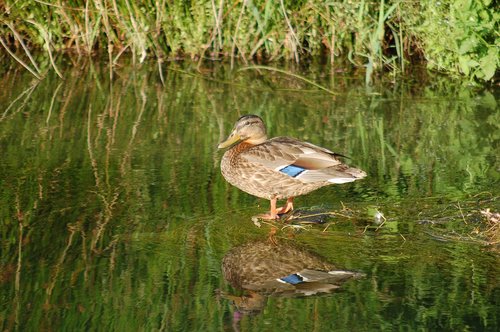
(115, 215)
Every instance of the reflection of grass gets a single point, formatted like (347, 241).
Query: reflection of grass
(126, 215)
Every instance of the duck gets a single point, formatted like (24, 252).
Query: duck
(262, 268)
(279, 168)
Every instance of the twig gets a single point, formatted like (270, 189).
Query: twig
(365, 229)
(383, 222)
(303, 227)
(461, 213)
(327, 226)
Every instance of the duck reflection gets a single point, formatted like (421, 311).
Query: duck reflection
(267, 268)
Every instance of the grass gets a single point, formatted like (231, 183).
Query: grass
(456, 37)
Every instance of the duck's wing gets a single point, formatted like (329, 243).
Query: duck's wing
(302, 160)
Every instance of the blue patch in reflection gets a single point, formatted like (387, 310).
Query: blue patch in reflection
(293, 279)
(292, 170)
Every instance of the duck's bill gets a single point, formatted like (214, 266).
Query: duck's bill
(233, 138)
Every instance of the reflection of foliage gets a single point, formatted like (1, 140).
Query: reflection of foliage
(114, 211)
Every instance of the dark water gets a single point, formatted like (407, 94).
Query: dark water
(114, 214)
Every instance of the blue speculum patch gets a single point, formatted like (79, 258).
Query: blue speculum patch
(293, 279)
(292, 170)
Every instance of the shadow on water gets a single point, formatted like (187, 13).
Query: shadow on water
(114, 214)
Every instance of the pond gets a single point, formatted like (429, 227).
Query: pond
(115, 216)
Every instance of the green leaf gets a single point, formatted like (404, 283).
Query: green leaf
(463, 61)
(488, 64)
(467, 45)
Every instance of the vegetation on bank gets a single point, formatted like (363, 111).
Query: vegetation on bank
(453, 36)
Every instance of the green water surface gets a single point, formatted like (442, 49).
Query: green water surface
(114, 215)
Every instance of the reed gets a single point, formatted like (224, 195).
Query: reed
(457, 37)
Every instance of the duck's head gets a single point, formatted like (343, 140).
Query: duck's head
(249, 129)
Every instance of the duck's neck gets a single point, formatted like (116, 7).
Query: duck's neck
(256, 141)
(238, 148)
(245, 145)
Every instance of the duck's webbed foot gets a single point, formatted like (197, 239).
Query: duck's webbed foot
(287, 207)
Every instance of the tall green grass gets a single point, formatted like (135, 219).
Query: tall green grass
(458, 37)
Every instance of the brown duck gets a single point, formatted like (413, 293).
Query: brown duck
(262, 269)
(281, 167)
(281, 268)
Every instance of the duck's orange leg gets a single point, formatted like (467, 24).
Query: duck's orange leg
(273, 214)
(287, 208)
